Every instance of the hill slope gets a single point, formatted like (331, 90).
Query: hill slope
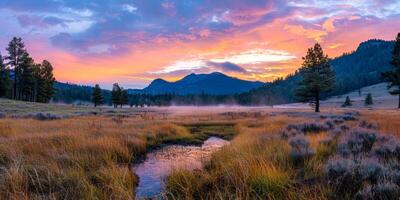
(380, 95)
(353, 70)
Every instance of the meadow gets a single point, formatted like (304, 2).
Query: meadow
(273, 154)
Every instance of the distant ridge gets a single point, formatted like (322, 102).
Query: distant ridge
(354, 70)
(215, 83)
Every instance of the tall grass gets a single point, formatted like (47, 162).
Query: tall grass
(78, 158)
(89, 157)
(263, 162)
(257, 165)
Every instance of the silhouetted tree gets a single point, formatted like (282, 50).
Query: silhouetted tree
(368, 100)
(5, 82)
(318, 77)
(16, 50)
(45, 82)
(124, 97)
(347, 102)
(26, 81)
(116, 95)
(393, 76)
(97, 97)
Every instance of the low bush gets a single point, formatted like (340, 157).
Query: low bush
(342, 176)
(358, 141)
(368, 125)
(383, 191)
(300, 148)
(45, 116)
(310, 127)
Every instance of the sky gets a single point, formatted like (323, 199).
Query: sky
(133, 42)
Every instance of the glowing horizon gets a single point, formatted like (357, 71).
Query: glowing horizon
(133, 42)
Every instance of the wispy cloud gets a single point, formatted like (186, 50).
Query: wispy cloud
(252, 39)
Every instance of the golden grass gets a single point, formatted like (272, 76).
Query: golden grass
(387, 120)
(252, 167)
(89, 157)
(80, 157)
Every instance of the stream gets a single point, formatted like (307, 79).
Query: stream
(159, 164)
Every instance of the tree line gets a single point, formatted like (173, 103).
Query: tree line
(23, 79)
(119, 96)
(314, 80)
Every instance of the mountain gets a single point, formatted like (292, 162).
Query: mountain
(357, 69)
(213, 84)
(354, 70)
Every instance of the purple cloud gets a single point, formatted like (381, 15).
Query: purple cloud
(227, 67)
(39, 22)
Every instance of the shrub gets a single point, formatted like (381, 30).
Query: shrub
(342, 176)
(344, 127)
(394, 176)
(347, 116)
(368, 100)
(388, 148)
(382, 191)
(45, 116)
(370, 170)
(347, 102)
(339, 167)
(289, 133)
(368, 125)
(300, 148)
(330, 124)
(358, 141)
(310, 127)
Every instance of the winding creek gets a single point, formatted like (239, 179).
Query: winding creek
(159, 164)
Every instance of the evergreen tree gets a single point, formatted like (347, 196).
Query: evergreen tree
(5, 82)
(318, 77)
(347, 102)
(97, 97)
(393, 76)
(368, 100)
(45, 82)
(116, 95)
(124, 97)
(26, 81)
(16, 50)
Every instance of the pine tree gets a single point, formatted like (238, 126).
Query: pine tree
(347, 102)
(5, 82)
(45, 79)
(393, 76)
(368, 100)
(97, 97)
(26, 81)
(124, 97)
(318, 77)
(16, 49)
(116, 95)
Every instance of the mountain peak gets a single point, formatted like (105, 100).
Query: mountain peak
(212, 83)
(372, 43)
(159, 80)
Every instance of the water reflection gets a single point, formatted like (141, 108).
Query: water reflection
(158, 164)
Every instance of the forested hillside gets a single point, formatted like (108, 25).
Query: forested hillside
(353, 70)
(72, 93)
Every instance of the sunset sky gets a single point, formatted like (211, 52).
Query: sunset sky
(134, 41)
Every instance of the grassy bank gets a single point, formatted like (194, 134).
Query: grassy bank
(287, 157)
(83, 157)
(88, 157)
